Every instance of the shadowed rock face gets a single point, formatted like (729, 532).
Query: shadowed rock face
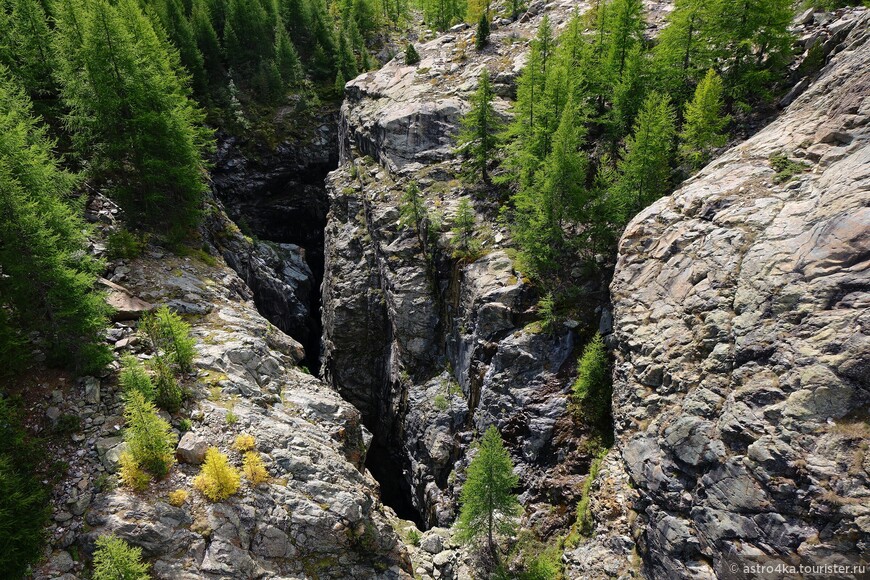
(742, 333)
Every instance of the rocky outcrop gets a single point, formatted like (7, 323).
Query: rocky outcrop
(743, 343)
(433, 350)
(318, 515)
(283, 285)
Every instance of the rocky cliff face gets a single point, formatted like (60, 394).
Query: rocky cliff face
(743, 343)
(318, 515)
(429, 350)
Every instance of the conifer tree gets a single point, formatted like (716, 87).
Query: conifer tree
(556, 199)
(413, 213)
(625, 33)
(151, 441)
(464, 232)
(645, 169)
(481, 38)
(480, 126)
(46, 277)
(180, 31)
(115, 559)
(411, 55)
(26, 48)
(131, 113)
(704, 122)
(489, 506)
(209, 47)
(683, 51)
(527, 142)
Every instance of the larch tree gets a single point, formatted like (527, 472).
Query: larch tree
(488, 505)
(131, 114)
(477, 139)
(645, 168)
(704, 124)
(46, 277)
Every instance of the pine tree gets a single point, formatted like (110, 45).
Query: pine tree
(593, 389)
(481, 38)
(115, 559)
(683, 51)
(464, 232)
(411, 55)
(46, 286)
(151, 440)
(181, 34)
(287, 59)
(626, 32)
(704, 122)
(477, 139)
(489, 506)
(527, 142)
(556, 199)
(209, 47)
(413, 213)
(131, 113)
(645, 170)
(26, 48)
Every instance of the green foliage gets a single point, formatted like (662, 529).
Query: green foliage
(593, 387)
(412, 57)
(442, 14)
(67, 424)
(115, 559)
(488, 504)
(170, 335)
(47, 282)
(218, 479)
(133, 377)
(23, 498)
(124, 244)
(464, 240)
(785, 168)
(25, 46)
(167, 392)
(131, 113)
(414, 537)
(481, 37)
(440, 402)
(704, 122)
(584, 524)
(645, 168)
(547, 312)
(480, 125)
(150, 438)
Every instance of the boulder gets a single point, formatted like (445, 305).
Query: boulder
(191, 449)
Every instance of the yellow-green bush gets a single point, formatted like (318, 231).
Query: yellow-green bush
(244, 443)
(218, 479)
(254, 470)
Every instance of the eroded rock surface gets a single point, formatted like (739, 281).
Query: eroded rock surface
(743, 340)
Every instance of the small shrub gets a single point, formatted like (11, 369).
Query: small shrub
(254, 469)
(440, 402)
(547, 311)
(151, 441)
(414, 537)
(23, 498)
(131, 474)
(135, 378)
(68, 424)
(115, 559)
(481, 38)
(218, 479)
(593, 387)
(232, 418)
(168, 393)
(785, 168)
(185, 425)
(123, 244)
(412, 57)
(178, 497)
(244, 443)
(171, 335)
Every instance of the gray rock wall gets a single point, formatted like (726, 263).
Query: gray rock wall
(743, 341)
